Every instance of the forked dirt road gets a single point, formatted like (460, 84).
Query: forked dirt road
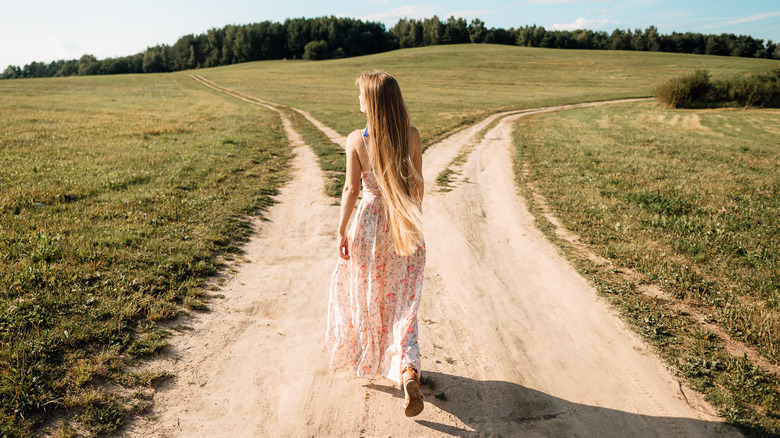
(518, 343)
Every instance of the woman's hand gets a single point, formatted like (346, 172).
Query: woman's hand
(343, 246)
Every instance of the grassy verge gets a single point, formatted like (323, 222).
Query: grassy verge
(688, 202)
(331, 157)
(118, 194)
(444, 178)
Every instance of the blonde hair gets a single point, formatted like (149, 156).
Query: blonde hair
(391, 158)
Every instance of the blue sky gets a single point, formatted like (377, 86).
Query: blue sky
(45, 30)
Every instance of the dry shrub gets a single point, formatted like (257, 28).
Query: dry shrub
(696, 90)
(685, 91)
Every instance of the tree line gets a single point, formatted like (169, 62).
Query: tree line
(338, 37)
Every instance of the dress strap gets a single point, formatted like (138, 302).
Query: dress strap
(365, 143)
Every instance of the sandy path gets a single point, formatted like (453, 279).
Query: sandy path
(518, 342)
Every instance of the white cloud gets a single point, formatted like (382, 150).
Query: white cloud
(582, 23)
(740, 20)
(66, 48)
(418, 12)
(756, 17)
(376, 2)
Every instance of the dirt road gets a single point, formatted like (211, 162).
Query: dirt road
(517, 342)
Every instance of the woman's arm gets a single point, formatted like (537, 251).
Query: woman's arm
(350, 193)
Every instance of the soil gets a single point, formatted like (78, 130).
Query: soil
(514, 341)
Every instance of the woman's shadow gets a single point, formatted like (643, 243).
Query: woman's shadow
(505, 409)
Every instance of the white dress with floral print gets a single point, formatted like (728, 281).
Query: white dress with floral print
(374, 296)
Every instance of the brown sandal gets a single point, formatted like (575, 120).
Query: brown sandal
(413, 401)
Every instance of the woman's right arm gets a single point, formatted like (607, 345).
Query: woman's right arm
(350, 193)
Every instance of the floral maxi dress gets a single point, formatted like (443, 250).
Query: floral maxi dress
(374, 296)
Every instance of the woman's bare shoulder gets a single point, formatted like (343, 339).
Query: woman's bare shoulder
(353, 139)
(414, 137)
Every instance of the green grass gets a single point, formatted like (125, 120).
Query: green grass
(118, 194)
(430, 382)
(689, 200)
(444, 178)
(447, 87)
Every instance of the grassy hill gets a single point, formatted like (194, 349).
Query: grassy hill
(120, 194)
(449, 86)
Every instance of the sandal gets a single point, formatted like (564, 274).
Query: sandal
(413, 400)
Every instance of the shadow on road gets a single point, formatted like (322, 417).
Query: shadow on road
(505, 409)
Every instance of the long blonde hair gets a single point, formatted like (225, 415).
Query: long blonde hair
(391, 158)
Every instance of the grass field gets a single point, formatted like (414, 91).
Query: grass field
(447, 87)
(688, 201)
(121, 195)
(117, 196)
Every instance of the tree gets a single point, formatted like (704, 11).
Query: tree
(536, 36)
(433, 30)
(274, 41)
(717, 45)
(12, 72)
(297, 36)
(213, 49)
(638, 41)
(226, 54)
(477, 31)
(156, 60)
(455, 31)
(653, 42)
(619, 40)
(408, 32)
(184, 54)
(114, 66)
(746, 46)
(315, 50)
(772, 50)
(68, 68)
(88, 65)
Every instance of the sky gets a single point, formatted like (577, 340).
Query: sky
(46, 30)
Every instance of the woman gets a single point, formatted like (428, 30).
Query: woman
(375, 288)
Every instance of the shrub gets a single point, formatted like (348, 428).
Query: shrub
(696, 90)
(315, 50)
(685, 91)
(757, 91)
